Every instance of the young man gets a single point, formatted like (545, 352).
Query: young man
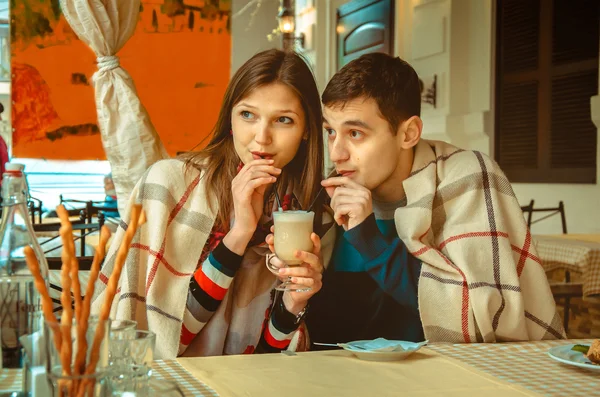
(434, 245)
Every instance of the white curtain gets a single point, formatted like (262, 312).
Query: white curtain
(128, 136)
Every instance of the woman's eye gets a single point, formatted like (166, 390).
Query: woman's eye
(246, 114)
(285, 120)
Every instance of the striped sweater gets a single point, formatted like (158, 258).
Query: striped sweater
(154, 287)
(207, 290)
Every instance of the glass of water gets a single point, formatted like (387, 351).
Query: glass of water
(131, 364)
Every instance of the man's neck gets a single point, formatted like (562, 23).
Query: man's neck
(392, 189)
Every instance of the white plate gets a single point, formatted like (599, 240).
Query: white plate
(373, 355)
(565, 355)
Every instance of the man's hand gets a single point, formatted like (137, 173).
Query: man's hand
(351, 202)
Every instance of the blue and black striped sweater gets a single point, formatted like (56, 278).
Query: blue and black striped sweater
(369, 288)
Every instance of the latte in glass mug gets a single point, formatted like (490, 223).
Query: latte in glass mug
(292, 232)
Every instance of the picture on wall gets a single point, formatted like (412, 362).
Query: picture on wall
(179, 58)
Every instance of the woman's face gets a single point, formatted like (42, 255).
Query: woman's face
(268, 123)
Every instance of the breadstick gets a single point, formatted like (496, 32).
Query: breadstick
(95, 269)
(66, 233)
(136, 216)
(40, 285)
(85, 310)
(68, 241)
(66, 318)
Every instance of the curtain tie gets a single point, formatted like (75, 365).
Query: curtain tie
(107, 63)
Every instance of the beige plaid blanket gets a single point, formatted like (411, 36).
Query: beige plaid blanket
(163, 256)
(164, 253)
(481, 279)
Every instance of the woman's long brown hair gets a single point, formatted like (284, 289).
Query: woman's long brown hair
(219, 160)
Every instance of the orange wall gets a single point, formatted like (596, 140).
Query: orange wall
(180, 76)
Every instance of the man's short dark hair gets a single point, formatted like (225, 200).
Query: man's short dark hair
(390, 81)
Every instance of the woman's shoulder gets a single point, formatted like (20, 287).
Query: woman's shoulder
(171, 173)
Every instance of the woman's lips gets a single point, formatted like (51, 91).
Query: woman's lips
(258, 156)
(262, 155)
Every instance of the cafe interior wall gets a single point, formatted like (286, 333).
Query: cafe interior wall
(251, 24)
(454, 40)
(178, 57)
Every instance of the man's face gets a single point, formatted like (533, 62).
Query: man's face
(109, 186)
(361, 143)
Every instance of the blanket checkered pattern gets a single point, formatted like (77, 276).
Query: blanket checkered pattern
(481, 279)
(164, 253)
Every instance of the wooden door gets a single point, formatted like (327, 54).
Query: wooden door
(364, 26)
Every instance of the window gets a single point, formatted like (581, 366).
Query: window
(80, 180)
(546, 72)
(4, 41)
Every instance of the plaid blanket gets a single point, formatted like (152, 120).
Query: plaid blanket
(481, 279)
(164, 254)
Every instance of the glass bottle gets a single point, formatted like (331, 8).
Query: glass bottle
(20, 302)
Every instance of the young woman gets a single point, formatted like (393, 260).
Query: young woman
(195, 273)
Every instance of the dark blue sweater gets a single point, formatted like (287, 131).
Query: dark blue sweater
(369, 288)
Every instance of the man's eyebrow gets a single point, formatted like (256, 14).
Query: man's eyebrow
(357, 123)
(352, 123)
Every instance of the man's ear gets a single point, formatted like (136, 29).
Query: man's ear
(411, 130)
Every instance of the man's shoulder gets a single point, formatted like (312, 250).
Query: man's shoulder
(454, 162)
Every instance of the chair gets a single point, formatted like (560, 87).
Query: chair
(529, 210)
(55, 264)
(99, 209)
(80, 225)
(92, 208)
(72, 204)
(563, 290)
(35, 206)
(85, 262)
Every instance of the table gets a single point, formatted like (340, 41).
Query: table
(172, 370)
(577, 256)
(11, 379)
(339, 373)
(527, 364)
(503, 369)
(57, 219)
(595, 238)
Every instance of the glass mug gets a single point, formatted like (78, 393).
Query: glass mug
(292, 233)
